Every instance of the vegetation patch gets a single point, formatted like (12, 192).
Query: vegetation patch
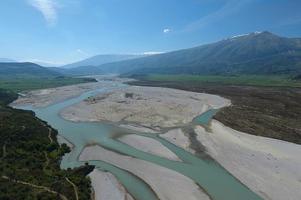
(22, 84)
(30, 159)
(248, 80)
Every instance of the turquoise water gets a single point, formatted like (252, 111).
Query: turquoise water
(215, 180)
(137, 188)
(206, 117)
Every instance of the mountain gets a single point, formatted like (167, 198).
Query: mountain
(101, 59)
(6, 60)
(254, 53)
(78, 71)
(27, 69)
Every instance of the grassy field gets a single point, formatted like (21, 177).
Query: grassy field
(251, 80)
(22, 84)
(273, 112)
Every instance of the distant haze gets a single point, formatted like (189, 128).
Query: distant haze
(101, 59)
(255, 53)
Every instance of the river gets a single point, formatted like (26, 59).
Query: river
(209, 175)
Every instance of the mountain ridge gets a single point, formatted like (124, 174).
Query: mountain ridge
(25, 69)
(5, 60)
(101, 59)
(243, 54)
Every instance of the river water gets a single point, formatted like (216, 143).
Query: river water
(214, 179)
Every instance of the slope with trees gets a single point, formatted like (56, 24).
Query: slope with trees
(30, 160)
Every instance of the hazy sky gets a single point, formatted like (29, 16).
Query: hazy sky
(61, 31)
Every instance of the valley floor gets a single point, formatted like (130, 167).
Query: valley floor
(269, 167)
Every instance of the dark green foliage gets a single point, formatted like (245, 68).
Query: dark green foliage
(14, 191)
(298, 77)
(250, 80)
(7, 96)
(129, 95)
(82, 184)
(28, 155)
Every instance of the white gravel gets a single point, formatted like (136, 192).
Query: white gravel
(146, 106)
(149, 145)
(107, 187)
(271, 168)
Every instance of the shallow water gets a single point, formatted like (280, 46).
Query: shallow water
(205, 118)
(215, 180)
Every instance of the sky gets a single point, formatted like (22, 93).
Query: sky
(63, 31)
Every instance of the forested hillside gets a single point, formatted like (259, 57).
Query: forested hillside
(30, 159)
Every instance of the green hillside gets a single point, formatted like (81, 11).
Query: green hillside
(255, 53)
(30, 159)
(25, 70)
(29, 76)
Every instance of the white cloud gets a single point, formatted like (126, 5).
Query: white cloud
(48, 8)
(45, 63)
(166, 30)
(152, 52)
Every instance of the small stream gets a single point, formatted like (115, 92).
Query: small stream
(214, 179)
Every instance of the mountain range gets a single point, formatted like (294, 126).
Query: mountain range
(5, 60)
(254, 53)
(25, 70)
(101, 59)
(261, 53)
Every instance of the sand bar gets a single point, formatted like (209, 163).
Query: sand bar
(147, 106)
(107, 187)
(149, 145)
(269, 167)
(177, 137)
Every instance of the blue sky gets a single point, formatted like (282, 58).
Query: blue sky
(62, 31)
